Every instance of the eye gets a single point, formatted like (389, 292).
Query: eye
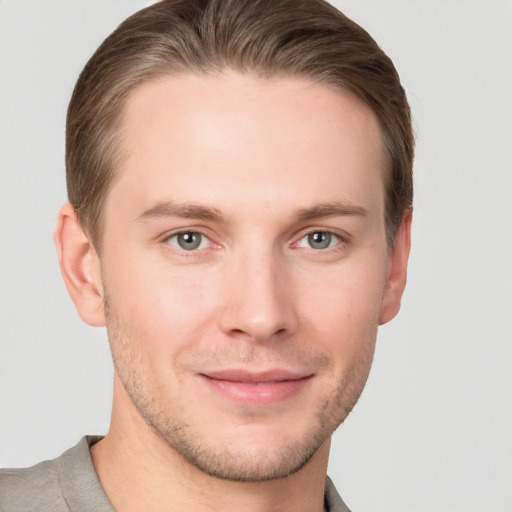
(319, 240)
(189, 241)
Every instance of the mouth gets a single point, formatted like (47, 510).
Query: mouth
(256, 389)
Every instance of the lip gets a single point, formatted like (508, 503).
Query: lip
(255, 389)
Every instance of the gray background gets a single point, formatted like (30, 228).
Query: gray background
(432, 431)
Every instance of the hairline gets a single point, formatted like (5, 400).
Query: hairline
(120, 151)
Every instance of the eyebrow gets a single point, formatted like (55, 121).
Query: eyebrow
(184, 211)
(334, 209)
(195, 211)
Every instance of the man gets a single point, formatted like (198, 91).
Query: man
(240, 184)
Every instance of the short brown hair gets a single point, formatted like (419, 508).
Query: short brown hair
(308, 38)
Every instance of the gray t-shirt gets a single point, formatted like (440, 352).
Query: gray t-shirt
(69, 484)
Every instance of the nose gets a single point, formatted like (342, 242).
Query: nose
(259, 302)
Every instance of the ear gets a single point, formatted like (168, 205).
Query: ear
(397, 271)
(80, 267)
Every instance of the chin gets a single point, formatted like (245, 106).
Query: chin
(268, 458)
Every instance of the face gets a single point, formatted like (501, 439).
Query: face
(244, 266)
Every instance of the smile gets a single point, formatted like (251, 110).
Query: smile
(256, 389)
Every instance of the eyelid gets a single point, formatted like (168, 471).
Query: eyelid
(343, 237)
(193, 229)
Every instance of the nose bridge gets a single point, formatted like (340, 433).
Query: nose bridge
(259, 294)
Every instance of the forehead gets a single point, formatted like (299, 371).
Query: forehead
(221, 137)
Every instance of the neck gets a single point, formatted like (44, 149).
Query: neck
(140, 471)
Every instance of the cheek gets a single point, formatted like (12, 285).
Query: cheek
(342, 305)
(166, 307)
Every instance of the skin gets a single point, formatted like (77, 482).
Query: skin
(255, 171)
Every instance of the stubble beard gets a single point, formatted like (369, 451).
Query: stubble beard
(231, 462)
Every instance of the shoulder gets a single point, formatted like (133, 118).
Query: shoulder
(333, 501)
(67, 483)
(35, 488)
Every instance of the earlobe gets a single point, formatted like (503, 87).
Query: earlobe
(397, 272)
(80, 267)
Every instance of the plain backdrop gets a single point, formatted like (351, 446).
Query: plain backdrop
(433, 429)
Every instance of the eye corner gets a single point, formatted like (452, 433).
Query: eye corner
(320, 240)
(188, 241)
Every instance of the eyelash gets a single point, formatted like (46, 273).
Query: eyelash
(339, 241)
(186, 232)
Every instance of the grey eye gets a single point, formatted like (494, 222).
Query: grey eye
(188, 240)
(320, 240)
